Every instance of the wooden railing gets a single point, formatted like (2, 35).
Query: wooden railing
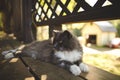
(63, 11)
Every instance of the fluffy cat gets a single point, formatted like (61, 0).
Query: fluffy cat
(64, 50)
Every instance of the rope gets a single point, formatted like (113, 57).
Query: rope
(29, 69)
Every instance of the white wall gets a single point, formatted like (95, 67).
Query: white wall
(107, 37)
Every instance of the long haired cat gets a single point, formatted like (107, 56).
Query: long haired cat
(64, 50)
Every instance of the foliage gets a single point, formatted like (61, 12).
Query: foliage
(118, 30)
(77, 32)
(116, 23)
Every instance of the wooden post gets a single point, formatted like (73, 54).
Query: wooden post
(27, 21)
(54, 27)
(16, 19)
(6, 10)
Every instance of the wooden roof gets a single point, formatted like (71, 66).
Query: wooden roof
(105, 26)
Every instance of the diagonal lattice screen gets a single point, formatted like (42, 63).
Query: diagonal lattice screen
(49, 9)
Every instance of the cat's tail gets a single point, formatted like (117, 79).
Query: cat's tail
(12, 53)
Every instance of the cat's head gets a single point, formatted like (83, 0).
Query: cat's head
(65, 41)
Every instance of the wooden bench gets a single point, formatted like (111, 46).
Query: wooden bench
(17, 71)
(10, 70)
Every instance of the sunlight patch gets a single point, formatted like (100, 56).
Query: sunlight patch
(29, 78)
(44, 77)
(107, 3)
(13, 60)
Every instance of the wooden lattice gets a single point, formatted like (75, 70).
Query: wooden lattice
(47, 10)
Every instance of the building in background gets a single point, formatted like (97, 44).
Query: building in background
(99, 33)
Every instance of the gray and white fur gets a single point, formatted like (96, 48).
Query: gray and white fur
(64, 50)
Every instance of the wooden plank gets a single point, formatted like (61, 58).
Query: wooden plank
(99, 3)
(43, 12)
(64, 7)
(53, 72)
(115, 2)
(53, 10)
(13, 70)
(98, 74)
(66, 4)
(84, 4)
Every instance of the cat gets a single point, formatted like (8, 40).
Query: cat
(64, 50)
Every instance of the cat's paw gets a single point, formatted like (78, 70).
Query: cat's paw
(9, 55)
(75, 70)
(83, 67)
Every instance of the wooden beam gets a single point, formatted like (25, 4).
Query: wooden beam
(99, 3)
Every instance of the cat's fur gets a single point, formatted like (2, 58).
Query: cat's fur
(65, 51)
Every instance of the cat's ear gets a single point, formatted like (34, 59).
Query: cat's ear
(67, 34)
